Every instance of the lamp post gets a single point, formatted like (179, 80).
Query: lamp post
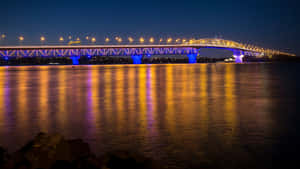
(160, 40)
(142, 40)
(21, 39)
(3, 36)
(130, 39)
(61, 40)
(151, 40)
(42, 40)
(119, 40)
(93, 40)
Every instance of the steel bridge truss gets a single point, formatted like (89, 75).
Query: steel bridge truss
(95, 52)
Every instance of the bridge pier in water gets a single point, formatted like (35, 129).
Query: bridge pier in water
(75, 60)
(192, 57)
(238, 55)
(137, 59)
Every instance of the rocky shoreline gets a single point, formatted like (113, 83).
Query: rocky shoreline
(53, 151)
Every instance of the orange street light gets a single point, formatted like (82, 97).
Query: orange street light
(119, 40)
(21, 38)
(151, 40)
(130, 39)
(142, 40)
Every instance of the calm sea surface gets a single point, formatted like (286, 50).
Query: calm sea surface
(183, 115)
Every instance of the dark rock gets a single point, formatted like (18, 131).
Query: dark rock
(88, 162)
(125, 159)
(41, 152)
(78, 149)
(45, 150)
(61, 164)
(3, 157)
(23, 165)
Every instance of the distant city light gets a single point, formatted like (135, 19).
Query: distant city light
(43, 38)
(160, 40)
(183, 40)
(78, 39)
(93, 40)
(177, 40)
(61, 39)
(70, 37)
(169, 40)
(87, 38)
(142, 40)
(3, 36)
(107, 40)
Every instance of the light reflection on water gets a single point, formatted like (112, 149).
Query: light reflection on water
(185, 115)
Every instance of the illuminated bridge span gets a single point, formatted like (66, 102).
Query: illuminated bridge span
(191, 49)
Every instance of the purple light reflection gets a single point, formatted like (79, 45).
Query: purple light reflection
(150, 119)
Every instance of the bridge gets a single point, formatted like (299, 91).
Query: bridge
(138, 51)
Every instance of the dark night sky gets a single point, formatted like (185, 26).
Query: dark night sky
(269, 23)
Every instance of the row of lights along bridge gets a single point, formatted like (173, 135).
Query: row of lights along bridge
(107, 40)
(141, 40)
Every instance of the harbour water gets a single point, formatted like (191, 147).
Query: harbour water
(182, 115)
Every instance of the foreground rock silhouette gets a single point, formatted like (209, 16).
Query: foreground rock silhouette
(47, 151)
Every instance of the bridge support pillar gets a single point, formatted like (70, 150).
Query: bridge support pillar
(137, 59)
(192, 57)
(238, 55)
(75, 60)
